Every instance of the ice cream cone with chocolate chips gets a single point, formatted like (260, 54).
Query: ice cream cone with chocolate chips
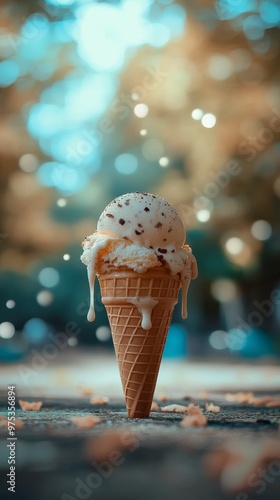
(139, 257)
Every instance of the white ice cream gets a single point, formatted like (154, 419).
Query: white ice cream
(139, 231)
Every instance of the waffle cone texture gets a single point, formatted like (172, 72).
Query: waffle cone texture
(139, 351)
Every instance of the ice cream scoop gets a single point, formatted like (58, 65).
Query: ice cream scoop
(145, 219)
(139, 231)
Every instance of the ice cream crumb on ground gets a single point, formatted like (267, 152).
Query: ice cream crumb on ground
(194, 420)
(175, 408)
(212, 408)
(194, 410)
(239, 397)
(155, 406)
(30, 405)
(99, 400)
(86, 422)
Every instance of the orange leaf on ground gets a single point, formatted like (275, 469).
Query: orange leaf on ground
(194, 410)
(194, 420)
(86, 422)
(239, 397)
(30, 405)
(213, 408)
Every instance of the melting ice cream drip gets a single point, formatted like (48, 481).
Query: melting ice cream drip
(145, 306)
(91, 280)
(185, 288)
(189, 273)
(91, 270)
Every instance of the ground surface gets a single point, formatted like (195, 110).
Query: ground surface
(153, 458)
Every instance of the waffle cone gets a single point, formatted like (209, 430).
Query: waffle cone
(139, 351)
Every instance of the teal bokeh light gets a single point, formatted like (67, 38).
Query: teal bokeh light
(253, 28)
(9, 72)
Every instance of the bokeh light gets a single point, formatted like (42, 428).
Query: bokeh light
(224, 290)
(61, 202)
(261, 230)
(103, 333)
(9, 72)
(164, 161)
(28, 162)
(208, 120)
(220, 67)
(126, 164)
(35, 330)
(197, 114)
(72, 341)
(203, 215)
(10, 304)
(141, 110)
(217, 340)
(48, 277)
(7, 330)
(44, 298)
(234, 245)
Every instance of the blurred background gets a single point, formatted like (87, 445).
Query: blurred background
(178, 98)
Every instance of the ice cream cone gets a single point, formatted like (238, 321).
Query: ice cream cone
(131, 299)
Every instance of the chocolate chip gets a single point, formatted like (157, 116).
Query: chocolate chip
(162, 250)
(127, 202)
(162, 213)
(159, 224)
(138, 232)
(169, 230)
(121, 221)
(119, 205)
(172, 251)
(140, 225)
(146, 209)
(110, 216)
